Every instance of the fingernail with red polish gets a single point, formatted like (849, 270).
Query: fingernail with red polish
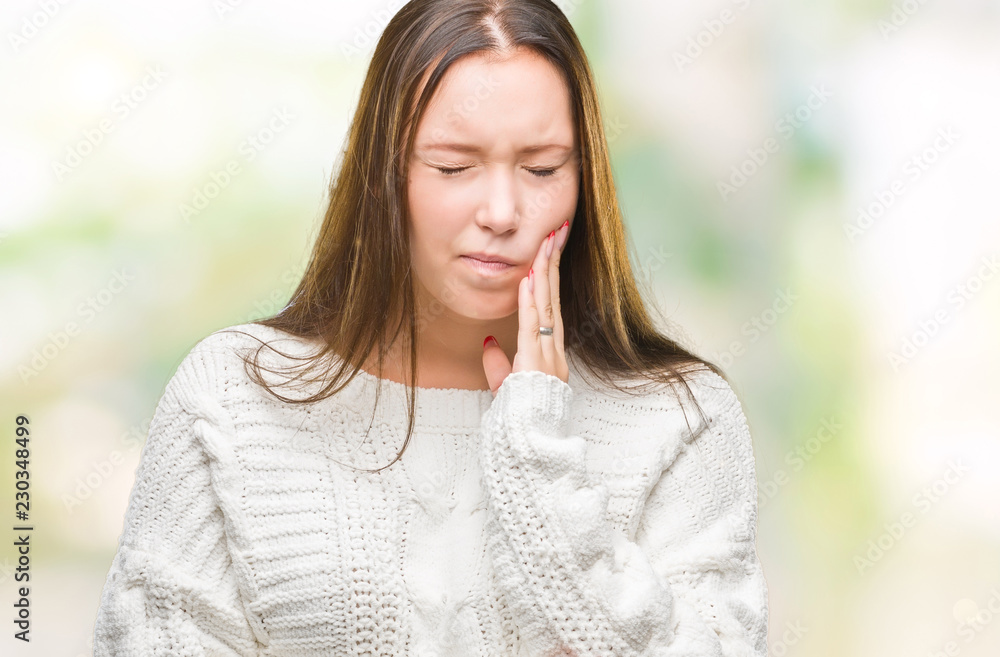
(489, 338)
(563, 236)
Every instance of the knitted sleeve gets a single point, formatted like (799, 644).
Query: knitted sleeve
(689, 585)
(172, 588)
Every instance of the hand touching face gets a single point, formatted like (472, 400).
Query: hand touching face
(538, 306)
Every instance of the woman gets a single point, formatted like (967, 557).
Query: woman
(526, 509)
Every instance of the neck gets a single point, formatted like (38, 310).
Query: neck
(449, 350)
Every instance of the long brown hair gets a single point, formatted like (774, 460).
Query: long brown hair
(358, 277)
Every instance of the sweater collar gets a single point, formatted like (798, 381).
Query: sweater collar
(438, 407)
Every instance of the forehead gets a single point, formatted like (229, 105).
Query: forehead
(516, 103)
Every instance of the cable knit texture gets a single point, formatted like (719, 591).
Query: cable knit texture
(557, 519)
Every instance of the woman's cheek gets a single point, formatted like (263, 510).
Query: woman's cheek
(554, 204)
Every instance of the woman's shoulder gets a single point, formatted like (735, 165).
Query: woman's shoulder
(238, 341)
(698, 379)
(712, 389)
(231, 340)
(702, 398)
(216, 364)
(720, 402)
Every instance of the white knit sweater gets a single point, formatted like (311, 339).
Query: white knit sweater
(556, 519)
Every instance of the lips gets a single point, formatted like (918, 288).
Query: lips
(488, 268)
(483, 257)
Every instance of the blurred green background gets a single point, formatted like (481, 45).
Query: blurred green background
(811, 193)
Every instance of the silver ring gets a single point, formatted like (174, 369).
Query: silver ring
(544, 330)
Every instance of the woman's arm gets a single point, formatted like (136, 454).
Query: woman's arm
(691, 583)
(173, 588)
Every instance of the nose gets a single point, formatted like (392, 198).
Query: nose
(499, 210)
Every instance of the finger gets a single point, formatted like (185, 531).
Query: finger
(562, 235)
(543, 298)
(527, 329)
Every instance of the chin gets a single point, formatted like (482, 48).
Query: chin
(489, 306)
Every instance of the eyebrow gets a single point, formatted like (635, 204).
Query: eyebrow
(472, 148)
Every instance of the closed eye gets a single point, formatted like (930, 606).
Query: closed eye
(539, 173)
